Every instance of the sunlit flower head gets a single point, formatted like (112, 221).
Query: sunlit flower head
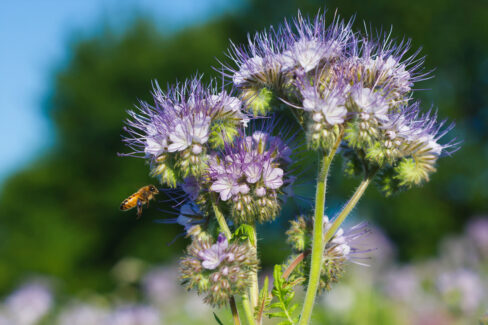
(271, 58)
(175, 132)
(249, 175)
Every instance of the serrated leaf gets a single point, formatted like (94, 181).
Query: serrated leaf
(263, 301)
(283, 291)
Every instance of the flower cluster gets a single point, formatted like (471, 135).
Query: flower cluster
(249, 175)
(218, 270)
(349, 92)
(183, 124)
(345, 87)
(342, 247)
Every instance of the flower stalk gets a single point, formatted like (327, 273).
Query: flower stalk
(254, 290)
(318, 235)
(235, 313)
(349, 206)
(248, 310)
(221, 220)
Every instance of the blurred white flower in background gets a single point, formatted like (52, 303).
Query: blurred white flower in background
(28, 304)
(340, 299)
(161, 285)
(135, 315)
(196, 308)
(403, 284)
(83, 314)
(462, 288)
(477, 231)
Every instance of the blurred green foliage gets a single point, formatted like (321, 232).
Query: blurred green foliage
(60, 215)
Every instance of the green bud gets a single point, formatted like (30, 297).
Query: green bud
(359, 134)
(258, 100)
(322, 136)
(410, 173)
(332, 271)
(222, 130)
(164, 170)
(377, 153)
(298, 234)
(191, 164)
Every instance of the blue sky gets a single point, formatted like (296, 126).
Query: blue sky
(33, 40)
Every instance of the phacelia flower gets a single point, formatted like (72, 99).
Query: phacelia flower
(268, 65)
(324, 103)
(248, 176)
(342, 247)
(410, 144)
(185, 122)
(218, 270)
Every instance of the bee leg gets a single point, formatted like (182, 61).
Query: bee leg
(139, 209)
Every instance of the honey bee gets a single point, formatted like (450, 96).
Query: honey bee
(139, 198)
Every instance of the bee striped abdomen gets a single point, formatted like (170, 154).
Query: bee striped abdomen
(129, 203)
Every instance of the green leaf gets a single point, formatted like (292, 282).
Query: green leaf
(283, 292)
(218, 319)
(263, 301)
(244, 232)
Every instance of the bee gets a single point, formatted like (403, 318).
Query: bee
(139, 198)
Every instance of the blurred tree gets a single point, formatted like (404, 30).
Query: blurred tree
(60, 216)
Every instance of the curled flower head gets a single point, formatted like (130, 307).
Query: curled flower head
(185, 122)
(248, 176)
(410, 144)
(218, 270)
(380, 62)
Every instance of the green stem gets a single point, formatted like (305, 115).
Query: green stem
(254, 290)
(233, 308)
(349, 206)
(318, 236)
(221, 220)
(295, 263)
(248, 310)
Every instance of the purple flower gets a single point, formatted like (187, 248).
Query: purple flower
(181, 118)
(213, 256)
(345, 243)
(327, 104)
(371, 104)
(271, 56)
(249, 174)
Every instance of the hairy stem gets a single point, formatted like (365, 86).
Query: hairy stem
(254, 290)
(318, 236)
(248, 310)
(295, 263)
(349, 206)
(221, 219)
(233, 308)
